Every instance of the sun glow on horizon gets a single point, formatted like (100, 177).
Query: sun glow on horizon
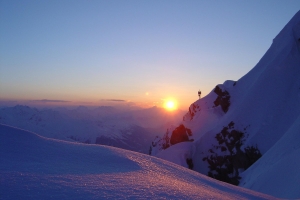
(170, 105)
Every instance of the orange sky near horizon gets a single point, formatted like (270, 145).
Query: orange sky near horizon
(145, 100)
(130, 53)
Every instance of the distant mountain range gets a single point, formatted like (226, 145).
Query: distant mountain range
(253, 120)
(132, 130)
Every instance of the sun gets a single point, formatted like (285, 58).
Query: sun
(170, 105)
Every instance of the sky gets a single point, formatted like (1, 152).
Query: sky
(134, 52)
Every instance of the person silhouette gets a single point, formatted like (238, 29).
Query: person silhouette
(199, 94)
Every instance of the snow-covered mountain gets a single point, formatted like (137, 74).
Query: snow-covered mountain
(239, 121)
(34, 167)
(132, 130)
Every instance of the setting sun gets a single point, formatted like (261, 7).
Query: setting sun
(170, 105)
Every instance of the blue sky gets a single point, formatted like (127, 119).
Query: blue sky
(142, 52)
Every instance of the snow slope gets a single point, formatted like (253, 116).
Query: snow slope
(264, 104)
(180, 153)
(277, 173)
(34, 167)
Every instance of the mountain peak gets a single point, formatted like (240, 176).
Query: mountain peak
(264, 107)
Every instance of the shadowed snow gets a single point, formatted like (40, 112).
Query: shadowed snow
(34, 167)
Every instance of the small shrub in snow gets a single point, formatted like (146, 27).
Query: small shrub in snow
(150, 150)
(190, 163)
(166, 141)
(193, 109)
(160, 143)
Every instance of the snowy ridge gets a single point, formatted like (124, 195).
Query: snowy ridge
(264, 105)
(34, 167)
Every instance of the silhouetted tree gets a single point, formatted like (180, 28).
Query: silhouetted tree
(190, 163)
(166, 140)
(226, 167)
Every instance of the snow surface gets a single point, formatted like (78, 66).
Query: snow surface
(179, 154)
(35, 167)
(265, 105)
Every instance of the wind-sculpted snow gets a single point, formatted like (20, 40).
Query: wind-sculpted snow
(34, 167)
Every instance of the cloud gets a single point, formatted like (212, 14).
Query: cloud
(8, 101)
(51, 101)
(117, 100)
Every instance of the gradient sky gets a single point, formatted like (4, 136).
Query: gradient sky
(137, 52)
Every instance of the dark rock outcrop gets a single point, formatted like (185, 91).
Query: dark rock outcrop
(180, 134)
(223, 99)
